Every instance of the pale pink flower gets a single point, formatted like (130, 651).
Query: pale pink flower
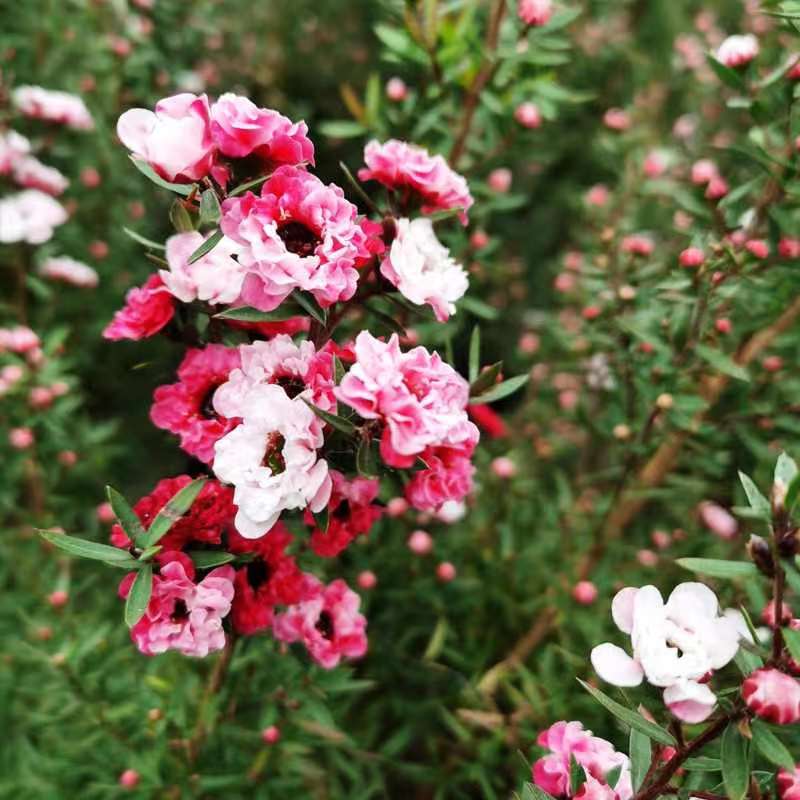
(406, 168)
(420, 543)
(655, 164)
(240, 129)
(183, 615)
(328, 623)
(773, 696)
(528, 115)
(757, 248)
(617, 119)
(367, 580)
(271, 734)
(215, 278)
(738, 51)
(503, 467)
(129, 779)
(299, 369)
(21, 438)
(675, 645)
(29, 172)
(446, 572)
(535, 12)
(447, 476)
(422, 269)
(13, 147)
(30, 216)
(598, 195)
(568, 740)
(62, 107)
(718, 520)
(299, 234)
(68, 270)
(703, 171)
(271, 459)
(175, 141)
(20, 339)
(396, 90)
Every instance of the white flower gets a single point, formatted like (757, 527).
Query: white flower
(736, 51)
(421, 268)
(68, 270)
(215, 278)
(13, 146)
(29, 216)
(271, 459)
(676, 645)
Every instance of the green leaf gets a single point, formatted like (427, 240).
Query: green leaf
(365, 459)
(703, 764)
(126, 516)
(631, 718)
(335, 421)
(730, 77)
(248, 314)
(84, 548)
(735, 763)
(577, 776)
(143, 240)
(770, 746)
(245, 187)
(533, 792)
(139, 595)
(210, 210)
(612, 776)
(341, 128)
(478, 308)
(722, 363)
(173, 510)
(718, 567)
(309, 305)
(207, 246)
(791, 638)
(785, 470)
(792, 494)
(641, 755)
(486, 379)
(357, 187)
(474, 353)
(180, 218)
(322, 519)
(501, 390)
(206, 559)
(757, 501)
(184, 189)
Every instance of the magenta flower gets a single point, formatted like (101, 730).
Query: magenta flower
(146, 311)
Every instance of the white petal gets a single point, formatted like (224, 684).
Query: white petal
(622, 608)
(615, 666)
(690, 600)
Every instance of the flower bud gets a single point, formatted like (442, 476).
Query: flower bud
(499, 180)
(789, 784)
(271, 734)
(420, 542)
(718, 520)
(773, 696)
(58, 599)
(396, 90)
(584, 592)
(761, 555)
(691, 257)
(129, 779)
(20, 438)
(528, 115)
(367, 579)
(445, 572)
(503, 467)
(397, 506)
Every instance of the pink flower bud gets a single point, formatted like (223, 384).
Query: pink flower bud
(718, 520)
(661, 539)
(129, 779)
(535, 12)
(757, 248)
(136, 209)
(445, 572)
(528, 115)
(738, 51)
(691, 257)
(59, 388)
(584, 592)
(638, 245)
(367, 579)
(598, 195)
(69, 458)
(717, 188)
(789, 784)
(503, 467)
(617, 119)
(105, 513)
(397, 506)
(564, 282)
(12, 373)
(58, 599)
(528, 343)
(647, 558)
(271, 734)
(768, 614)
(789, 248)
(420, 542)
(655, 165)
(20, 438)
(568, 399)
(773, 696)
(479, 240)
(591, 312)
(90, 177)
(646, 347)
(396, 90)
(98, 249)
(723, 325)
(40, 397)
(500, 179)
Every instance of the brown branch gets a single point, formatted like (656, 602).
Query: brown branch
(482, 78)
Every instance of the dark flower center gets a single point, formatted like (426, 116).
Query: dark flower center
(325, 625)
(291, 384)
(298, 238)
(273, 453)
(342, 511)
(179, 611)
(207, 403)
(257, 573)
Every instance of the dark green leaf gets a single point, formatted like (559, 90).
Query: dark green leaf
(86, 549)
(322, 519)
(533, 792)
(501, 390)
(735, 763)
(730, 77)
(486, 379)
(335, 421)
(719, 568)
(721, 362)
(703, 764)
(180, 218)
(474, 353)
(210, 210)
(126, 516)
(757, 501)
(139, 595)
(641, 755)
(173, 510)
(577, 776)
(365, 459)
(248, 314)
(309, 305)
(206, 559)
(791, 639)
(207, 246)
(631, 718)
(245, 187)
(612, 776)
(770, 746)
(478, 308)
(179, 188)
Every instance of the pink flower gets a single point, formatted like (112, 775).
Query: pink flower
(655, 164)
(528, 115)
(21, 438)
(299, 234)
(757, 248)
(598, 195)
(717, 188)
(789, 248)
(421, 268)
(584, 592)
(617, 119)
(638, 244)
(186, 408)
(215, 278)
(183, 615)
(29, 172)
(62, 107)
(146, 311)
(175, 140)
(675, 645)
(328, 623)
(416, 175)
(773, 696)
(500, 180)
(568, 740)
(703, 171)
(738, 51)
(420, 399)
(446, 572)
(240, 129)
(271, 459)
(447, 476)
(68, 270)
(13, 147)
(503, 467)
(718, 520)
(30, 216)
(420, 543)
(535, 12)
(298, 369)
(789, 784)
(129, 779)
(396, 90)
(20, 339)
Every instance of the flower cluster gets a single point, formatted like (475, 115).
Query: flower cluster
(262, 382)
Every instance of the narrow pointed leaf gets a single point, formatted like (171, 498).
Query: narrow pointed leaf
(180, 218)
(84, 548)
(500, 391)
(719, 568)
(791, 639)
(785, 469)
(174, 509)
(474, 353)
(126, 516)
(335, 421)
(139, 595)
(206, 559)
(735, 763)
(207, 246)
(641, 755)
(757, 501)
(210, 210)
(143, 240)
(770, 746)
(487, 378)
(248, 314)
(184, 189)
(309, 305)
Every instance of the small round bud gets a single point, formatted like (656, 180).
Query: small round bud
(420, 542)
(367, 579)
(271, 734)
(479, 239)
(691, 257)
(503, 467)
(445, 572)
(665, 401)
(396, 90)
(772, 363)
(58, 599)
(129, 779)
(68, 458)
(591, 312)
(647, 558)
(723, 325)
(500, 179)
(626, 293)
(155, 714)
(397, 506)
(621, 432)
(20, 438)
(105, 513)
(584, 592)
(528, 115)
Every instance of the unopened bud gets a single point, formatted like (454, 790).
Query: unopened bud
(761, 555)
(664, 401)
(621, 432)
